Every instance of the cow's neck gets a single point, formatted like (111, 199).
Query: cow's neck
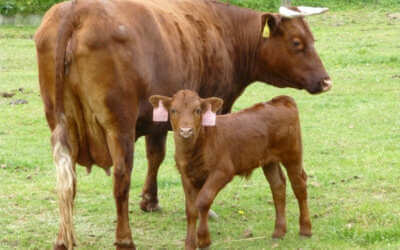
(243, 34)
(241, 37)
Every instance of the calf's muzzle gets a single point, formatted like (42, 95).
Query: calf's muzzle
(186, 132)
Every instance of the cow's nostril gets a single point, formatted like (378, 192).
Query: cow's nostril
(326, 85)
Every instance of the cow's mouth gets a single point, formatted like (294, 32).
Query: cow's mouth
(321, 87)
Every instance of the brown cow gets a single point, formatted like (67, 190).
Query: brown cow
(208, 157)
(99, 61)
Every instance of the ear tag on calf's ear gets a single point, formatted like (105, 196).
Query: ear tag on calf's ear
(266, 31)
(209, 118)
(160, 114)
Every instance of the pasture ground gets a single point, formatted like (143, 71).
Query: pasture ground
(351, 139)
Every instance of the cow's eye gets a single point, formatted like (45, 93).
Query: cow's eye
(197, 111)
(297, 44)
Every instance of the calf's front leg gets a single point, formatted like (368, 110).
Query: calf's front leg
(191, 213)
(207, 194)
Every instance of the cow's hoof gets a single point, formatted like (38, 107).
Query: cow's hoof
(205, 248)
(306, 233)
(125, 248)
(59, 247)
(149, 206)
(212, 215)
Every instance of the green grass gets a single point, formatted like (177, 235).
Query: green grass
(351, 153)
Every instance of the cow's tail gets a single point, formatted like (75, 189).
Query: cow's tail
(66, 178)
(66, 184)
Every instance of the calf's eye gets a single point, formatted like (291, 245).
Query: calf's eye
(173, 111)
(197, 111)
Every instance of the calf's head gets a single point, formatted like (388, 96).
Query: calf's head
(187, 111)
(286, 56)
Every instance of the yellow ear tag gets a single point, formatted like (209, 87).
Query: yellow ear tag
(266, 31)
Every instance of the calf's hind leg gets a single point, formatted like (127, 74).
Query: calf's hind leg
(298, 180)
(277, 182)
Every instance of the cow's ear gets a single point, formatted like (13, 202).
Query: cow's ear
(161, 105)
(214, 103)
(270, 24)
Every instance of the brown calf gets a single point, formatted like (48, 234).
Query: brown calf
(209, 154)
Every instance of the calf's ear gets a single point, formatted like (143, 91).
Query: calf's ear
(214, 102)
(161, 105)
(210, 106)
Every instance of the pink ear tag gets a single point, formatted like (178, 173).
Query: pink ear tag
(209, 118)
(160, 114)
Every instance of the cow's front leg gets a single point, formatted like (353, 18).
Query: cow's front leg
(121, 149)
(155, 149)
(207, 194)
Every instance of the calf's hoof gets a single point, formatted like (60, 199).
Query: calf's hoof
(125, 246)
(278, 234)
(149, 206)
(205, 248)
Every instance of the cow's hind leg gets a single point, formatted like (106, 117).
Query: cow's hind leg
(277, 182)
(121, 149)
(155, 149)
(66, 185)
(298, 180)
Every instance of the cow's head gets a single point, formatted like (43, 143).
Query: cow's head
(286, 56)
(187, 111)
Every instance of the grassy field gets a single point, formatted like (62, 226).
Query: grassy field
(351, 141)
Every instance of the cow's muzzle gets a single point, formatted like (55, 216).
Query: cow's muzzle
(326, 85)
(322, 86)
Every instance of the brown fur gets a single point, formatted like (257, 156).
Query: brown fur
(264, 135)
(99, 61)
